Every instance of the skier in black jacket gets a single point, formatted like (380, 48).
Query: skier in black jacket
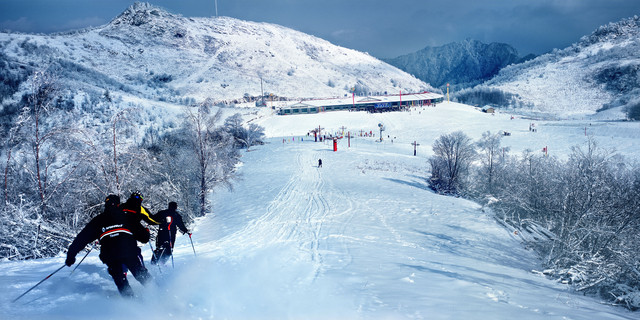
(118, 234)
(134, 206)
(170, 220)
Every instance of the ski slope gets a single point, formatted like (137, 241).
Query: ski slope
(363, 237)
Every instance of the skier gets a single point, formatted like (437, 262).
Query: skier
(134, 206)
(319, 163)
(118, 234)
(166, 238)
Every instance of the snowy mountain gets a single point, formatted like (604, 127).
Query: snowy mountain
(150, 53)
(599, 72)
(462, 64)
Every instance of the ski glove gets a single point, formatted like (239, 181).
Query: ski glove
(70, 261)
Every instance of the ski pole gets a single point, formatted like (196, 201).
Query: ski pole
(74, 269)
(164, 248)
(194, 248)
(37, 284)
(171, 249)
(153, 253)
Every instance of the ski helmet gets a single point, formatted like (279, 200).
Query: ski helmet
(136, 195)
(112, 200)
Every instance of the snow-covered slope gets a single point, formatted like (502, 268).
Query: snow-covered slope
(149, 52)
(596, 72)
(363, 237)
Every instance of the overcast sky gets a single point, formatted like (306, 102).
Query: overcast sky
(385, 29)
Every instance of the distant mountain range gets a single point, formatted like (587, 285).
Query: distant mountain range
(597, 76)
(462, 64)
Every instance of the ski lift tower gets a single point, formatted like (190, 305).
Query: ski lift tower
(353, 96)
(343, 128)
(381, 126)
(415, 145)
(316, 133)
(447, 92)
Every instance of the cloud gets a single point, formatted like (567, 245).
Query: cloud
(83, 23)
(22, 24)
(383, 28)
(343, 34)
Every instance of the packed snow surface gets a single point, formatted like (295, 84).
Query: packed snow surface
(363, 237)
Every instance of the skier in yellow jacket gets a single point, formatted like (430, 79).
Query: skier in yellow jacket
(134, 206)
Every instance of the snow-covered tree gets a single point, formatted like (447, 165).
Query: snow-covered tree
(581, 214)
(255, 135)
(43, 170)
(243, 137)
(453, 154)
(213, 149)
(491, 158)
(233, 125)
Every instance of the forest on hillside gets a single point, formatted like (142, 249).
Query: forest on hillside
(580, 215)
(61, 157)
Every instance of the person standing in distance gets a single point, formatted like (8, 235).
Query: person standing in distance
(118, 234)
(170, 220)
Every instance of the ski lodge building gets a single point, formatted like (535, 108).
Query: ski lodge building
(394, 102)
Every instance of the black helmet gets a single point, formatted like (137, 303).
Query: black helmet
(173, 205)
(112, 200)
(136, 195)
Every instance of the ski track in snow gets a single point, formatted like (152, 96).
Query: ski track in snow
(295, 215)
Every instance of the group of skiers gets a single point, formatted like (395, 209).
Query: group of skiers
(118, 230)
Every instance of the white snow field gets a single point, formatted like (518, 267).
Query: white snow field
(363, 237)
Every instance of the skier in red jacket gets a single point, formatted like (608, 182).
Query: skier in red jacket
(170, 221)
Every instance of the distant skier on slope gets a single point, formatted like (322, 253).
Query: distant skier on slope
(319, 163)
(118, 234)
(170, 221)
